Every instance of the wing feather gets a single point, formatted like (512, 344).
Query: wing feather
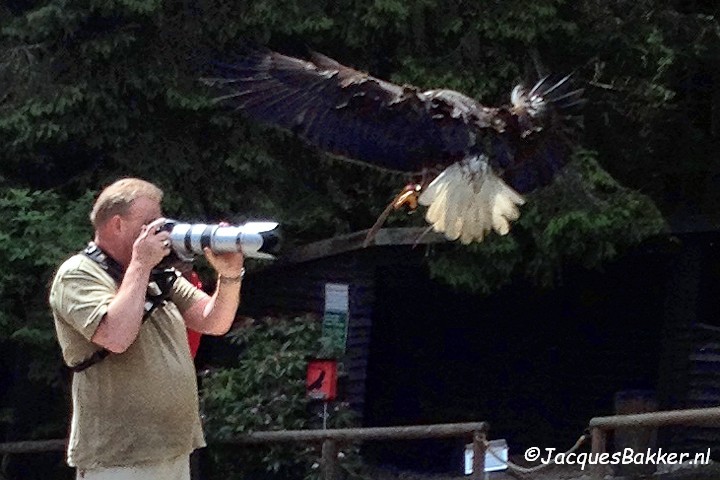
(348, 112)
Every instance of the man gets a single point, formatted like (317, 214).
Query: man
(135, 410)
(193, 336)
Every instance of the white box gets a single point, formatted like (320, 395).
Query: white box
(495, 461)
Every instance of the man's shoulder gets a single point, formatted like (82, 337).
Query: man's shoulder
(79, 264)
(75, 262)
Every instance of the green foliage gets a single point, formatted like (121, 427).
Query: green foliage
(585, 217)
(38, 232)
(266, 391)
(648, 64)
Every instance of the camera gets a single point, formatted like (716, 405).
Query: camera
(254, 239)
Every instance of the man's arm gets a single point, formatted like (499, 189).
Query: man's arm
(121, 324)
(215, 315)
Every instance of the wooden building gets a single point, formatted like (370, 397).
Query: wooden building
(296, 285)
(689, 374)
(537, 364)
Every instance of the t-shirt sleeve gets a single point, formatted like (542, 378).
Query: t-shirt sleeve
(81, 300)
(185, 294)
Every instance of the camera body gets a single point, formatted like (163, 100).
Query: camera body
(254, 239)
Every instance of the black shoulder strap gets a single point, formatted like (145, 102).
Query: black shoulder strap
(96, 357)
(159, 290)
(106, 262)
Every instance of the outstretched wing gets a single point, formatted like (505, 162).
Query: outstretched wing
(350, 113)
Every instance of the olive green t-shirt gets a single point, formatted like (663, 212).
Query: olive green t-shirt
(138, 406)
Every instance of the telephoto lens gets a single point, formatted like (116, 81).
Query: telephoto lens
(254, 239)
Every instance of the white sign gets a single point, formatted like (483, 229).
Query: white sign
(496, 456)
(336, 297)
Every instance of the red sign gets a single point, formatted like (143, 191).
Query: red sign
(321, 383)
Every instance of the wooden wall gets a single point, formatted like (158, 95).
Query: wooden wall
(299, 288)
(690, 363)
(661, 308)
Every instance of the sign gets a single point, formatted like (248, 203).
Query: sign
(336, 297)
(496, 456)
(321, 382)
(335, 320)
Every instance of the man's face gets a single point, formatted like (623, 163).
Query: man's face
(142, 212)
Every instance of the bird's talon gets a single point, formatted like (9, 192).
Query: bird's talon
(408, 197)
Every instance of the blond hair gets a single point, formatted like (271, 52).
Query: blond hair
(117, 198)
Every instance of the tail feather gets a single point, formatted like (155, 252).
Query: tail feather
(467, 205)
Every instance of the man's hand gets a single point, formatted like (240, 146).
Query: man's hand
(151, 246)
(226, 264)
(121, 324)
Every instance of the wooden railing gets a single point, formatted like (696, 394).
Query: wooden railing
(330, 440)
(599, 426)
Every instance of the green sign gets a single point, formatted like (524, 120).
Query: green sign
(335, 321)
(335, 330)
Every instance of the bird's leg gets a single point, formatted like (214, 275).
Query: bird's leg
(408, 197)
(422, 235)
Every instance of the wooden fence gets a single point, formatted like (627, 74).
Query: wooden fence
(330, 440)
(600, 426)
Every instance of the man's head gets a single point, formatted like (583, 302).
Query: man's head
(117, 198)
(120, 212)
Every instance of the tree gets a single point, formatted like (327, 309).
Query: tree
(94, 89)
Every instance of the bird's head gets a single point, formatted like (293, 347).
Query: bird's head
(527, 102)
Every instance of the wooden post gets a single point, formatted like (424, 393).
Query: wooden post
(639, 438)
(598, 441)
(478, 455)
(329, 460)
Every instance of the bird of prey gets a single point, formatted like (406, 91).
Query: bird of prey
(472, 163)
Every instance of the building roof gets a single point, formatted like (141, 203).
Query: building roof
(355, 241)
(679, 225)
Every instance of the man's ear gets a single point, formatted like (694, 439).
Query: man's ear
(115, 224)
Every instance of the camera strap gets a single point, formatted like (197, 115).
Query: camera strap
(158, 292)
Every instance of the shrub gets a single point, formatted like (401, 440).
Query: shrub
(266, 391)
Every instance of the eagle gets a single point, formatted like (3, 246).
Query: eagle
(471, 163)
